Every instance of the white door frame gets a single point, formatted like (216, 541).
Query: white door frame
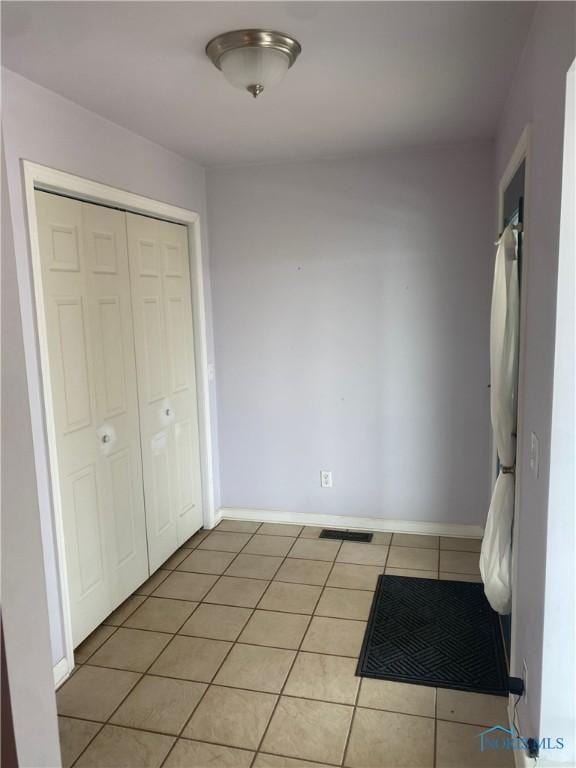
(520, 154)
(51, 180)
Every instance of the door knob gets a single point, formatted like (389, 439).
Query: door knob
(107, 436)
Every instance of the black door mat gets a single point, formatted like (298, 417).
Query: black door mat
(345, 535)
(437, 633)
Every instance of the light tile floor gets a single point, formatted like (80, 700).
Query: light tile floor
(240, 652)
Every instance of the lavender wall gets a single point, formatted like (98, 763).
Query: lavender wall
(41, 126)
(351, 310)
(537, 97)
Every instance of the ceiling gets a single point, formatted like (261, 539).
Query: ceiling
(372, 75)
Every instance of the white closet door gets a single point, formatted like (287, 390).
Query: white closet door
(182, 394)
(166, 382)
(108, 277)
(92, 381)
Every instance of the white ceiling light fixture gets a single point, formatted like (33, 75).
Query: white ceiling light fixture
(253, 59)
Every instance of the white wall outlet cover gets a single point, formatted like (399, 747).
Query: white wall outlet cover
(325, 479)
(211, 372)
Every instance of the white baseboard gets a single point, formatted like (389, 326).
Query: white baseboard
(354, 523)
(61, 672)
(216, 518)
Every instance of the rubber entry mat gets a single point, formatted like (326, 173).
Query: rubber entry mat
(437, 633)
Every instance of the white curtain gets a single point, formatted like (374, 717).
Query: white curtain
(496, 554)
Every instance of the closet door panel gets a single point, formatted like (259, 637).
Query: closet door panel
(176, 322)
(184, 437)
(185, 460)
(126, 505)
(152, 360)
(86, 512)
(73, 361)
(109, 321)
(74, 409)
(108, 278)
(154, 376)
(162, 496)
(92, 382)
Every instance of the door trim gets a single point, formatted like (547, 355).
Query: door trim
(42, 177)
(520, 154)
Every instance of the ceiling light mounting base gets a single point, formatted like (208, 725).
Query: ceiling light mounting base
(252, 38)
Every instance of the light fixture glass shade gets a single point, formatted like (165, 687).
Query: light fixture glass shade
(254, 68)
(253, 59)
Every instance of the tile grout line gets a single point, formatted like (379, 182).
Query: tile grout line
(100, 729)
(106, 722)
(360, 682)
(145, 600)
(291, 559)
(103, 725)
(304, 634)
(202, 600)
(90, 662)
(220, 576)
(322, 587)
(298, 650)
(286, 695)
(116, 627)
(130, 691)
(357, 698)
(311, 620)
(208, 685)
(246, 749)
(211, 683)
(354, 710)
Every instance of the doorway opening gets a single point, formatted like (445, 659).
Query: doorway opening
(513, 214)
(512, 195)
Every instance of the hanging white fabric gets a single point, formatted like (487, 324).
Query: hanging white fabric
(496, 553)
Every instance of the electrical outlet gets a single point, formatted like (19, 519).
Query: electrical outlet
(525, 677)
(325, 479)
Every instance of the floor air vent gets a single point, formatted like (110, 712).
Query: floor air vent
(346, 535)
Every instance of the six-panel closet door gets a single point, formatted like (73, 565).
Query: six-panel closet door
(164, 340)
(92, 381)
